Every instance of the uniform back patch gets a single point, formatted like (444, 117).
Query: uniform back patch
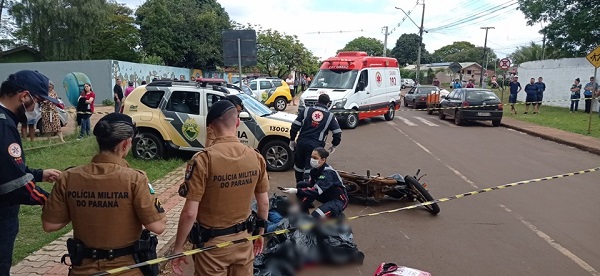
(184, 189)
(158, 206)
(189, 169)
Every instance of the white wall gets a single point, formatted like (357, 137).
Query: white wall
(558, 75)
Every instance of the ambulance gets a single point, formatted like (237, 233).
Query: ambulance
(359, 86)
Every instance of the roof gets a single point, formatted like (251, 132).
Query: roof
(19, 49)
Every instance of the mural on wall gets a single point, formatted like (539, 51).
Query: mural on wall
(73, 83)
(196, 73)
(137, 72)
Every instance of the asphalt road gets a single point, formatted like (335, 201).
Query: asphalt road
(546, 228)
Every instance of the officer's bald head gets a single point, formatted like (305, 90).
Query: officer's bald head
(226, 124)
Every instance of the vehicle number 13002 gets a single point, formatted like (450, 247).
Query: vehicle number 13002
(280, 129)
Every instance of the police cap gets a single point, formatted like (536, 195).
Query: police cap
(217, 110)
(34, 82)
(111, 119)
(235, 100)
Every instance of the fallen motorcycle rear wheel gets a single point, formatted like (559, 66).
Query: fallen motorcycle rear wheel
(422, 194)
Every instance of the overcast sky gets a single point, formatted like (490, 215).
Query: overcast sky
(354, 18)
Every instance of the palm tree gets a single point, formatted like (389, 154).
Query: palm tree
(532, 52)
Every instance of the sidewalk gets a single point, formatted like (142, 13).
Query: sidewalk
(579, 141)
(46, 261)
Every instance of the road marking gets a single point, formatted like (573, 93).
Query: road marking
(455, 171)
(406, 121)
(581, 263)
(425, 121)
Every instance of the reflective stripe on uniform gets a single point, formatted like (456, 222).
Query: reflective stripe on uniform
(326, 128)
(320, 212)
(2, 116)
(297, 123)
(318, 189)
(329, 168)
(298, 169)
(339, 130)
(14, 184)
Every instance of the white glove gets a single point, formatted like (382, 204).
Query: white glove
(293, 145)
(331, 149)
(290, 190)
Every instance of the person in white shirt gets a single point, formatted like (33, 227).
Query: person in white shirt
(290, 83)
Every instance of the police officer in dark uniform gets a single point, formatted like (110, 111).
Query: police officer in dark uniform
(313, 125)
(19, 98)
(324, 185)
(107, 203)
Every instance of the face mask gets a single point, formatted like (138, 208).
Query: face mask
(314, 163)
(32, 115)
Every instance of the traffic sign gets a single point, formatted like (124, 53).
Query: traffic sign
(504, 63)
(455, 67)
(594, 57)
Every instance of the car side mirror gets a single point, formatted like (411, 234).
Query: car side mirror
(361, 86)
(245, 115)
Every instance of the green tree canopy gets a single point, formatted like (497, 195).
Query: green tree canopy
(533, 52)
(406, 49)
(185, 33)
(463, 51)
(573, 28)
(61, 29)
(372, 46)
(440, 54)
(119, 37)
(279, 54)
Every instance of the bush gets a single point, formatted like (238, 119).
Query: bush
(108, 102)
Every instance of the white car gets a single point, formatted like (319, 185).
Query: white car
(62, 114)
(407, 83)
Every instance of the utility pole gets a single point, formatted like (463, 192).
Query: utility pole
(385, 29)
(420, 43)
(484, 69)
(544, 46)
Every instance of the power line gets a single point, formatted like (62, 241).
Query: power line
(477, 15)
(404, 18)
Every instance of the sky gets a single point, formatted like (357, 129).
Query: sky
(325, 26)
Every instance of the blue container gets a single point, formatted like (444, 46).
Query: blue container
(73, 84)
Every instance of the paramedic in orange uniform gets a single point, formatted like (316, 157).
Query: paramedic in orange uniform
(220, 183)
(106, 201)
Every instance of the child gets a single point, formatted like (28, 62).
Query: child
(82, 108)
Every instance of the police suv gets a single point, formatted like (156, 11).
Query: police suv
(171, 115)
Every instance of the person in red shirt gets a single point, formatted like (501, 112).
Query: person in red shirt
(471, 84)
(86, 122)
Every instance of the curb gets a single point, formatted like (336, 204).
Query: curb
(580, 146)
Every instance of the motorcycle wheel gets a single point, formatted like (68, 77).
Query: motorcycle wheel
(422, 194)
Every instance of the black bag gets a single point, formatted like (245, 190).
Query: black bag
(337, 246)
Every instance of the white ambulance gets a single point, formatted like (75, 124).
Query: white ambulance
(358, 85)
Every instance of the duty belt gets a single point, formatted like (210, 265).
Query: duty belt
(213, 233)
(99, 254)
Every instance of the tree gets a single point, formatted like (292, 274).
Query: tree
(372, 46)
(440, 54)
(573, 27)
(60, 30)
(119, 37)
(406, 49)
(533, 52)
(185, 33)
(279, 54)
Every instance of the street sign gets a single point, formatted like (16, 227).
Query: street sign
(504, 63)
(455, 67)
(239, 46)
(594, 57)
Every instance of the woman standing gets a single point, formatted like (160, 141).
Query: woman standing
(86, 123)
(575, 95)
(50, 119)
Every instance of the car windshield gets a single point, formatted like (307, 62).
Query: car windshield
(334, 79)
(254, 106)
(480, 95)
(426, 90)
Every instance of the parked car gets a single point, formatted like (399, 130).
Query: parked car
(472, 104)
(417, 96)
(272, 92)
(407, 83)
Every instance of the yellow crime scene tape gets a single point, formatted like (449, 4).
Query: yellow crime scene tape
(308, 226)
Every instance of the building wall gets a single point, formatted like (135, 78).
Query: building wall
(559, 76)
(20, 56)
(100, 73)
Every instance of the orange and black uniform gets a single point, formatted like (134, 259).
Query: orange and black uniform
(223, 178)
(107, 202)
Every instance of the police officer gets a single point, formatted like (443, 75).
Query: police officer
(19, 98)
(220, 182)
(324, 185)
(313, 125)
(107, 202)
(210, 133)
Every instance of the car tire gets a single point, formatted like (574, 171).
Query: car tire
(405, 102)
(148, 147)
(280, 104)
(391, 113)
(278, 156)
(457, 120)
(430, 110)
(441, 114)
(351, 121)
(496, 123)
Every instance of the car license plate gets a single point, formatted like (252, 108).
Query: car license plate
(487, 114)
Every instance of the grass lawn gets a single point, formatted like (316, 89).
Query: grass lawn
(31, 237)
(556, 117)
